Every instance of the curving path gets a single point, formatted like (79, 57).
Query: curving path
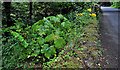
(109, 24)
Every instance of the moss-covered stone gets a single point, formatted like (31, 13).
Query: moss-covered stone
(83, 52)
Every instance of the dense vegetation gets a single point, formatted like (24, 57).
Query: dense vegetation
(35, 33)
(116, 5)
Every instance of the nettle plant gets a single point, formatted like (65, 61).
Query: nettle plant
(43, 37)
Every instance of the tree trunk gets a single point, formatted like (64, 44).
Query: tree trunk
(92, 8)
(30, 13)
(7, 6)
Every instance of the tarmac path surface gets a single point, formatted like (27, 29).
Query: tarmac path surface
(110, 30)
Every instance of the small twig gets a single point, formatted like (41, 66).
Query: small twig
(86, 66)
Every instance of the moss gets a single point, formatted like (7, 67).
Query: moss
(74, 63)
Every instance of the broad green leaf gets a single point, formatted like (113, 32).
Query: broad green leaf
(59, 43)
(58, 31)
(25, 44)
(47, 55)
(51, 37)
(40, 22)
(54, 19)
(37, 51)
(63, 24)
(60, 16)
(18, 30)
(17, 35)
(44, 48)
(65, 19)
(48, 51)
(81, 49)
(51, 51)
(33, 54)
(40, 40)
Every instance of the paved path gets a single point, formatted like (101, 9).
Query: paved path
(109, 24)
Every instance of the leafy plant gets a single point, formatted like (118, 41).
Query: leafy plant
(116, 5)
(25, 44)
(43, 37)
(48, 51)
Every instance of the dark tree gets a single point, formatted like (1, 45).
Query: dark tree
(7, 11)
(30, 12)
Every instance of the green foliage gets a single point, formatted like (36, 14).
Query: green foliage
(66, 7)
(59, 43)
(84, 18)
(27, 44)
(43, 37)
(116, 5)
(48, 51)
